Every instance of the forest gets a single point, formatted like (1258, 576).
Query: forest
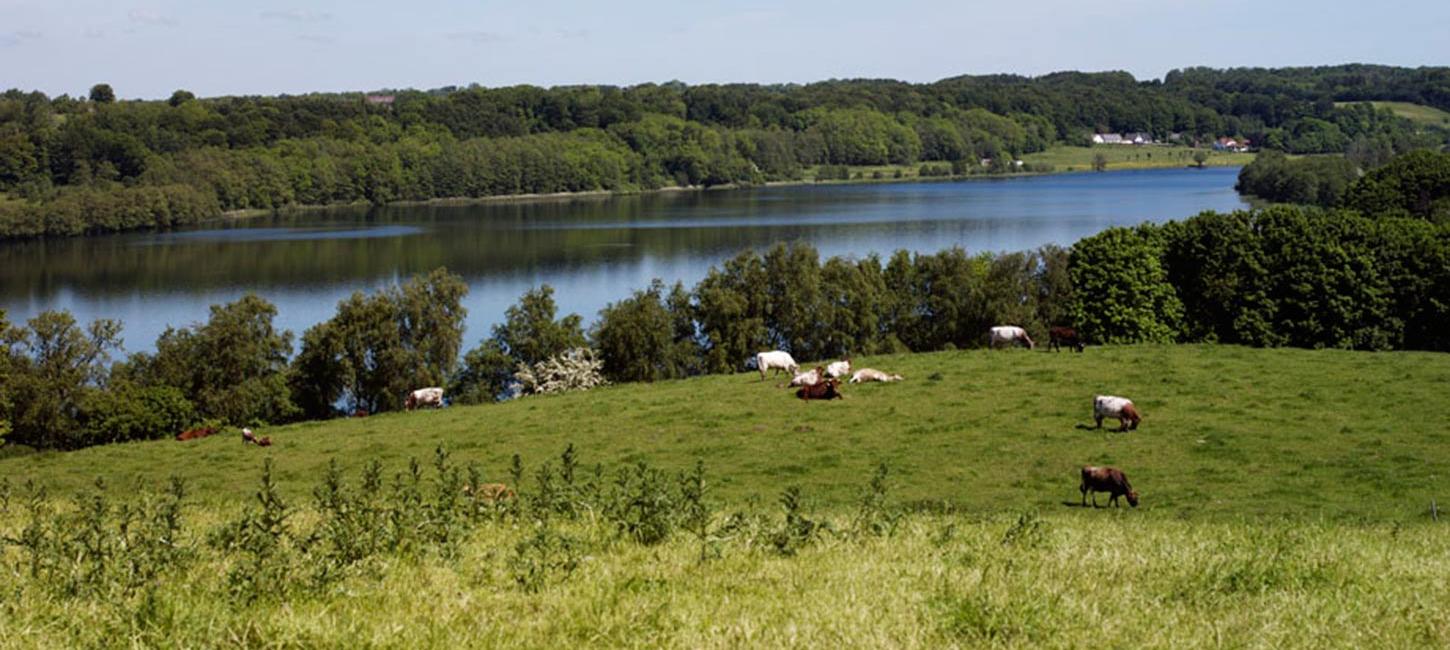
(94, 164)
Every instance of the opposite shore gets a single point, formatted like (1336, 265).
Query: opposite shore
(862, 175)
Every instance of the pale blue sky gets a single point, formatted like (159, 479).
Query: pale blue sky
(147, 48)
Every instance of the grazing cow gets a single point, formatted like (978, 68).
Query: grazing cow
(809, 378)
(360, 413)
(1109, 406)
(827, 389)
(871, 374)
(1061, 335)
(424, 397)
(264, 441)
(1106, 479)
(492, 492)
(840, 368)
(777, 359)
(1008, 335)
(193, 434)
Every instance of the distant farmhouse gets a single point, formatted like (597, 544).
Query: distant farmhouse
(1117, 138)
(384, 100)
(1229, 144)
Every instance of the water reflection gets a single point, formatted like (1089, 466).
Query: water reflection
(592, 250)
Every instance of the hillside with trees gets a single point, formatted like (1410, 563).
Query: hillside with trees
(95, 164)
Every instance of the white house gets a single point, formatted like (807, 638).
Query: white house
(1107, 138)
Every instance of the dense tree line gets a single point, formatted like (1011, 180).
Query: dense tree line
(95, 164)
(1281, 276)
(1416, 184)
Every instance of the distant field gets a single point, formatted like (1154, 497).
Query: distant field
(1420, 113)
(1065, 158)
(1229, 432)
(1068, 158)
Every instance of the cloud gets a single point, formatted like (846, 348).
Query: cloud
(17, 37)
(95, 32)
(150, 17)
(477, 38)
(296, 15)
(573, 34)
(317, 39)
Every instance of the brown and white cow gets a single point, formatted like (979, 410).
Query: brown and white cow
(1112, 406)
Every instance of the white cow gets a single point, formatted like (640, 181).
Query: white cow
(1007, 335)
(840, 368)
(808, 378)
(1112, 406)
(424, 397)
(871, 374)
(775, 359)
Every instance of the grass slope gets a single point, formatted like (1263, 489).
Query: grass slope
(1068, 158)
(1228, 432)
(1419, 113)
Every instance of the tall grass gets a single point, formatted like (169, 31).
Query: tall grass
(775, 576)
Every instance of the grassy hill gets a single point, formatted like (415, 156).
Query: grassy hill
(1419, 113)
(1228, 432)
(1284, 505)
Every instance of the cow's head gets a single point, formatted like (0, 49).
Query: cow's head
(1133, 498)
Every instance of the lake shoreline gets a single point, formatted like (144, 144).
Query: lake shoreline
(589, 195)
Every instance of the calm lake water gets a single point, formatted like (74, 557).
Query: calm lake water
(591, 250)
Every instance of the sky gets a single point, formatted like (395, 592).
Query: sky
(148, 48)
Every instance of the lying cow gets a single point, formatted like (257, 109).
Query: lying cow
(780, 361)
(840, 368)
(1008, 335)
(871, 374)
(828, 389)
(424, 397)
(808, 378)
(248, 436)
(1064, 335)
(193, 434)
(1106, 479)
(1109, 406)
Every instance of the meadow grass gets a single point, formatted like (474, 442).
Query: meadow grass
(1119, 157)
(1089, 578)
(1228, 432)
(1419, 113)
(1285, 504)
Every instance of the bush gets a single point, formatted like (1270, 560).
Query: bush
(574, 370)
(128, 412)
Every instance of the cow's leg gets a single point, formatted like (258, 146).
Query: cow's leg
(1095, 498)
(1083, 489)
(1099, 419)
(1122, 424)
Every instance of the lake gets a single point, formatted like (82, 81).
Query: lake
(591, 250)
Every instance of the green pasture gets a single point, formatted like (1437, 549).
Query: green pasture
(1228, 433)
(1419, 113)
(1120, 156)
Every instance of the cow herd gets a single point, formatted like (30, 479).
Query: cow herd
(824, 383)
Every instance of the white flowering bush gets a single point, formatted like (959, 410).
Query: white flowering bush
(575, 369)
